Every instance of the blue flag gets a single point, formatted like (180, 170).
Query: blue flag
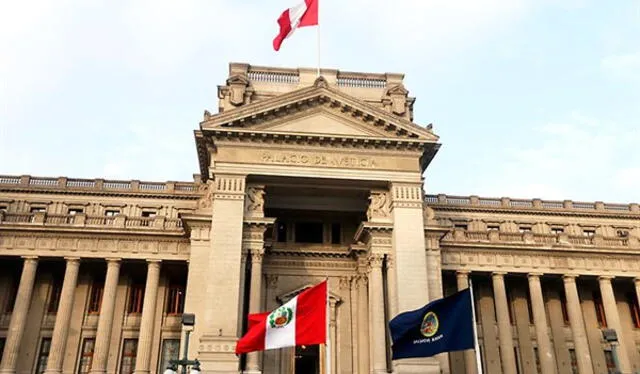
(443, 325)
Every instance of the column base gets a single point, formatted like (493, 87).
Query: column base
(217, 355)
(252, 371)
(417, 365)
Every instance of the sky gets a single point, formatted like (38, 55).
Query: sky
(530, 98)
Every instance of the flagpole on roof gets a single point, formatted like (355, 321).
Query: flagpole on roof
(476, 346)
(318, 35)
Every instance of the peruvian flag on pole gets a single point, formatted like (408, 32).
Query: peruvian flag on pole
(301, 321)
(303, 14)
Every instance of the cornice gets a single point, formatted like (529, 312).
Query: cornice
(282, 104)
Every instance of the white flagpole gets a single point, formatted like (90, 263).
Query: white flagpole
(318, 35)
(327, 342)
(475, 328)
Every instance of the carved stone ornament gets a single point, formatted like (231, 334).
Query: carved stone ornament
(206, 200)
(379, 206)
(272, 281)
(238, 88)
(254, 201)
(397, 97)
(321, 82)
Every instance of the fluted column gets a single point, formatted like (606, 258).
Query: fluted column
(253, 358)
(378, 324)
(19, 315)
(462, 277)
(505, 333)
(577, 325)
(105, 321)
(613, 321)
(145, 338)
(63, 316)
(545, 352)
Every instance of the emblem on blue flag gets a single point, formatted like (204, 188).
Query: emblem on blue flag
(443, 325)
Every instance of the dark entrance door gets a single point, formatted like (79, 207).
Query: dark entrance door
(307, 359)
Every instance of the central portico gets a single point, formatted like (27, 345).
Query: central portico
(309, 177)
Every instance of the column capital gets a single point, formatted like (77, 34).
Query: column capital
(111, 260)
(463, 272)
(570, 277)
(30, 258)
(72, 259)
(154, 261)
(637, 280)
(534, 274)
(605, 277)
(256, 255)
(500, 274)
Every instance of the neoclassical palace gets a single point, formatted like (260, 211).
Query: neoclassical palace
(301, 178)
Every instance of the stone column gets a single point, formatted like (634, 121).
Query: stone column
(505, 333)
(19, 315)
(145, 338)
(545, 352)
(462, 278)
(353, 308)
(253, 358)
(364, 360)
(105, 321)
(333, 335)
(577, 324)
(613, 321)
(63, 316)
(376, 312)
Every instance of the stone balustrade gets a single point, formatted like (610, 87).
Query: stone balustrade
(493, 236)
(82, 220)
(92, 185)
(533, 204)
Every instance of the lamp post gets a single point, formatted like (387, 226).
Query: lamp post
(612, 338)
(188, 319)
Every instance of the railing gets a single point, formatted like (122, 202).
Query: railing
(273, 77)
(360, 82)
(97, 184)
(81, 220)
(531, 204)
(460, 235)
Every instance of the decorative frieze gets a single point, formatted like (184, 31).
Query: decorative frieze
(379, 206)
(229, 187)
(254, 201)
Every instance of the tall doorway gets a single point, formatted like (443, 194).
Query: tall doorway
(307, 359)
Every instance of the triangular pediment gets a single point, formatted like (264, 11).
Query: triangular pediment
(318, 110)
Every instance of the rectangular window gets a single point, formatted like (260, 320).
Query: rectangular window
(43, 355)
(74, 211)
(537, 358)
(611, 364)
(54, 298)
(557, 230)
(460, 226)
(37, 209)
(111, 212)
(493, 227)
(4, 208)
(632, 301)
(281, 232)
(86, 355)
(136, 298)
(308, 232)
(574, 361)
(148, 217)
(563, 307)
(11, 299)
(170, 351)
(175, 300)
(600, 316)
(588, 233)
(95, 298)
(128, 360)
(2, 341)
(336, 233)
(523, 229)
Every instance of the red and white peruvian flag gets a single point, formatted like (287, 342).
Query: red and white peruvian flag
(304, 14)
(301, 321)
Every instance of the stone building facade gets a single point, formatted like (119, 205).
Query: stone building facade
(301, 179)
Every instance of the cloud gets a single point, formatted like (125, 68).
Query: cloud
(579, 158)
(622, 66)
